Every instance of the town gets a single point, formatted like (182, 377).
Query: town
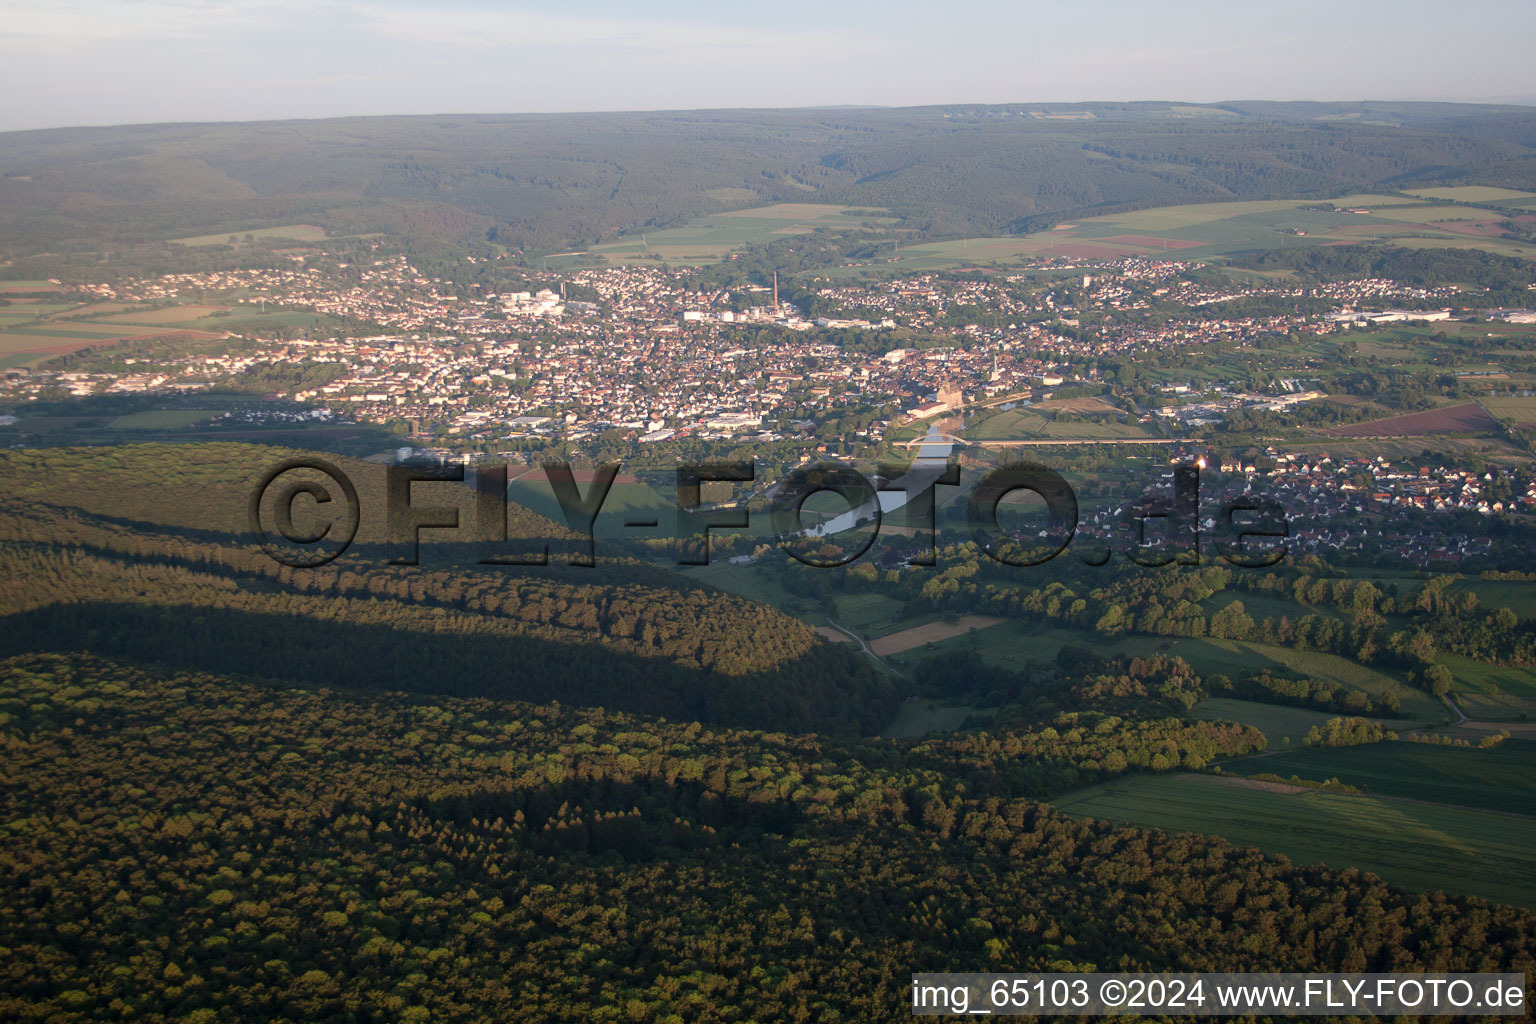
(649, 357)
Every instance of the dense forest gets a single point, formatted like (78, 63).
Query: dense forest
(1506, 278)
(190, 847)
(143, 552)
(547, 183)
(376, 792)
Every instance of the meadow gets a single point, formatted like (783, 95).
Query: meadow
(713, 236)
(179, 314)
(1211, 231)
(34, 332)
(1278, 723)
(1479, 677)
(1420, 846)
(1025, 424)
(920, 718)
(864, 613)
(1474, 194)
(1496, 779)
(162, 419)
(1519, 408)
(1013, 642)
(293, 232)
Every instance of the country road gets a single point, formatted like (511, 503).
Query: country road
(850, 634)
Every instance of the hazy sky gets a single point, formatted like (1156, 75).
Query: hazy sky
(72, 62)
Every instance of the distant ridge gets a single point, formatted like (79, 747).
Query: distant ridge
(538, 183)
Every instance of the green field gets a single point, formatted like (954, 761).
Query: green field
(1417, 845)
(179, 314)
(1520, 408)
(1277, 722)
(1208, 655)
(296, 232)
(1472, 194)
(1217, 230)
(1500, 707)
(1501, 778)
(1478, 677)
(1008, 644)
(162, 419)
(68, 331)
(1497, 246)
(923, 717)
(744, 581)
(865, 613)
(712, 236)
(1200, 231)
(1012, 642)
(249, 319)
(1430, 213)
(1025, 425)
(1372, 199)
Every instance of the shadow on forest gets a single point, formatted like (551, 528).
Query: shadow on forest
(801, 695)
(640, 819)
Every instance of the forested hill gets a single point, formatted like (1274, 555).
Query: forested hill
(197, 848)
(547, 182)
(141, 552)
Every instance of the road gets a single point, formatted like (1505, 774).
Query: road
(850, 634)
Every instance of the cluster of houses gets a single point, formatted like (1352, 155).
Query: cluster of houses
(651, 353)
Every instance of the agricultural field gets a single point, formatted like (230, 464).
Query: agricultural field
(1519, 408)
(1372, 200)
(864, 613)
(293, 232)
(1519, 596)
(1011, 642)
(1474, 194)
(1211, 655)
(162, 419)
(1478, 677)
(1278, 723)
(1417, 845)
(1008, 644)
(1467, 418)
(1090, 406)
(1497, 246)
(1492, 450)
(1501, 778)
(169, 315)
(932, 632)
(31, 333)
(1502, 710)
(1430, 214)
(713, 236)
(1216, 230)
(1027, 425)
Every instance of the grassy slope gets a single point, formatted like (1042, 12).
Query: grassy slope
(1416, 845)
(1502, 778)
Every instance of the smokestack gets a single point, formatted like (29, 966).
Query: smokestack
(775, 292)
